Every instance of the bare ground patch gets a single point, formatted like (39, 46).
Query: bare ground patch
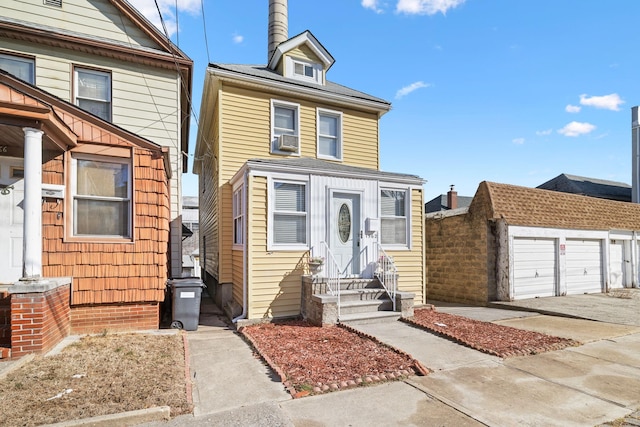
(98, 375)
(491, 338)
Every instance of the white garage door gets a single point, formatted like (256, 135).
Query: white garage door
(534, 268)
(584, 266)
(618, 264)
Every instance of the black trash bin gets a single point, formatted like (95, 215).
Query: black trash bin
(185, 302)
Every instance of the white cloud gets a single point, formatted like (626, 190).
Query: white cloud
(576, 129)
(545, 132)
(147, 8)
(426, 7)
(605, 102)
(237, 38)
(518, 141)
(411, 88)
(371, 4)
(572, 108)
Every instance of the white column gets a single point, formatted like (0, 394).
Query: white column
(32, 238)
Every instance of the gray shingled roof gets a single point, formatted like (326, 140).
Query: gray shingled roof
(439, 203)
(589, 187)
(262, 71)
(305, 164)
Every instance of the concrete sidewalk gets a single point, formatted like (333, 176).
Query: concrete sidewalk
(580, 386)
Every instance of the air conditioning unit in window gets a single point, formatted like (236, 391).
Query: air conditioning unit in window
(288, 143)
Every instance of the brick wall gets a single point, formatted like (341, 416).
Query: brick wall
(111, 318)
(459, 259)
(39, 320)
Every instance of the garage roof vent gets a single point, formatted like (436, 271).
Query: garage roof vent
(56, 3)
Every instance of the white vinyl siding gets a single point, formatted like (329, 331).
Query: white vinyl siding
(393, 217)
(329, 134)
(289, 215)
(21, 67)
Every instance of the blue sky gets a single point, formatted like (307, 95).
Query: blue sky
(510, 91)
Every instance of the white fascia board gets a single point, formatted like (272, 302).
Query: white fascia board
(288, 88)
(410, 183)
(552, 233)
(304, 38)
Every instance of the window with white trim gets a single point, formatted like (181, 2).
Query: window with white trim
(393, 217)
(329, 134)
(300, 69)
(101, 196)
(289, 224)
(285, 119)
(238, 216)
(92, 91)
(19, 66)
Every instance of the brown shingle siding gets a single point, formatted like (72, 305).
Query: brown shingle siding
(114, 272)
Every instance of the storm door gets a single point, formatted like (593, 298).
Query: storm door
(344, 232)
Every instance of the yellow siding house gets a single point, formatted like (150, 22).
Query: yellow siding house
(288, 165)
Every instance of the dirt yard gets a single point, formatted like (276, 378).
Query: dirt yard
(97, 375)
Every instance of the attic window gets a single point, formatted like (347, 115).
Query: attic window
(55, 3)
(304, 70)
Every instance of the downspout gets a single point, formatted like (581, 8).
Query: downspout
(245, 252)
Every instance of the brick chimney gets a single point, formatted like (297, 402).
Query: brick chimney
(278, 24)
(452, 198)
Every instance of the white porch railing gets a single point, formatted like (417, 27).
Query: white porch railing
(331, 270)
(387, 273)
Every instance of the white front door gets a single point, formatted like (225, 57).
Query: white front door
(344, 232)
(11, 218)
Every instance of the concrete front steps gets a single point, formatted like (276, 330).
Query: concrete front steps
(365, 301)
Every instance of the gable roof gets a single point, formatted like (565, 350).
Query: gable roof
(589, 187)
(545, 208)
(305, 38)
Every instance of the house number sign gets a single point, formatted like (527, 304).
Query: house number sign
(344, 223)
(4, 148)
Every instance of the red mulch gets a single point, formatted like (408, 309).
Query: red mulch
(499, 340)
(311, 359)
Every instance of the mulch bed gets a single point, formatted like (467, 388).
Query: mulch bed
(312, 359)
(498, 340)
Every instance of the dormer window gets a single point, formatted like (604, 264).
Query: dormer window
(305, 71)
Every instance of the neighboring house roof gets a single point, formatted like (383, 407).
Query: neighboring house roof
(264, 72)
(439, 203)
(323, 167)
(589, 187)
(190, 202)
(544, 208)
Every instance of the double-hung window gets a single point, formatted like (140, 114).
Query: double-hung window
(93, 92)
(289, 214)
(21, 67)
(285, 119)
(238, 216)
(101, 196)
(329, 134)
(393, 217)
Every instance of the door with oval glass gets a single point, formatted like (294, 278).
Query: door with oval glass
(11, 218)
(344, 232)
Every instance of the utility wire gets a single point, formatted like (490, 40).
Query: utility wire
(204, 24)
